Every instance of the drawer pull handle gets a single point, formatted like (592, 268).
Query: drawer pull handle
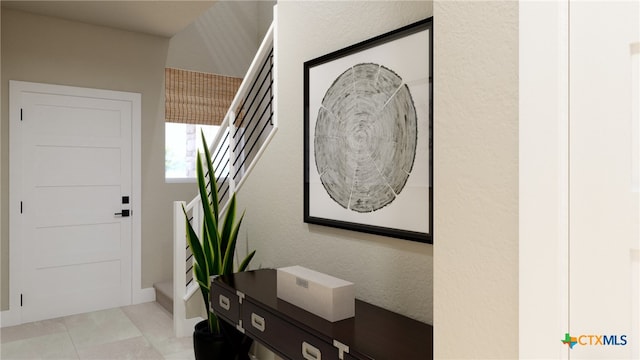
(257, 322)
(224, 302)
(310, 352)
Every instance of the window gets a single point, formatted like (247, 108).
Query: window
(194, 102)
(182, 144)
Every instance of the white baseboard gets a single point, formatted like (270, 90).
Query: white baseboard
(144, 295)
(9, 318)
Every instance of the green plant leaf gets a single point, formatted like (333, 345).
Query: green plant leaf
(201, 277)
(246, 261)
(227, 227)
(210, 223)
(194, 244)
(231, 247)
(212, 254)
(217, 243)
(212, 177)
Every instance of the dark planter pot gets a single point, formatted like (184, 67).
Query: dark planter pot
(240, 343)
(208, 346)
(230, 344)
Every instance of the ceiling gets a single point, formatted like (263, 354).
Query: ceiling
(162, 18)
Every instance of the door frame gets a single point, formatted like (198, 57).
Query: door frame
(13, 316)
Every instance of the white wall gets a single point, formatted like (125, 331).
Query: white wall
(544, 174)
(265, 15)
(476, 180)
(395, 274)
(223, 40)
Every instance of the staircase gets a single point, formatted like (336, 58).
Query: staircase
(247, 129)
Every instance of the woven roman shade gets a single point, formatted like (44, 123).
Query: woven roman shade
(198, 98)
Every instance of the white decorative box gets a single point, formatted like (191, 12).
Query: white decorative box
(330, 298)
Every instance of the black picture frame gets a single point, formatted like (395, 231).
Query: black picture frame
(372, 139)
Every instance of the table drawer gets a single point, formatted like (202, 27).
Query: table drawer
(225, 303)
(291, 341)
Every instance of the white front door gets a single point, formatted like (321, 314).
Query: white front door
(74, 168)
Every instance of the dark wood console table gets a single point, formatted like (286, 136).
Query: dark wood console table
(248, 300)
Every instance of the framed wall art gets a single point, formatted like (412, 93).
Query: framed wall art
(368, 135)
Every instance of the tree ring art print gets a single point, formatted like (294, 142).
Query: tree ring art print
(368, 136)
(365, 137)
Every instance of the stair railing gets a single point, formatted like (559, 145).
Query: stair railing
(245, 132)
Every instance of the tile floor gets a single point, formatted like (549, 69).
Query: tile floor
(143, 331)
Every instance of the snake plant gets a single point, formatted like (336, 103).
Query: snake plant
(213, 252)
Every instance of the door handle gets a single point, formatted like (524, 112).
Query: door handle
(124, 213)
